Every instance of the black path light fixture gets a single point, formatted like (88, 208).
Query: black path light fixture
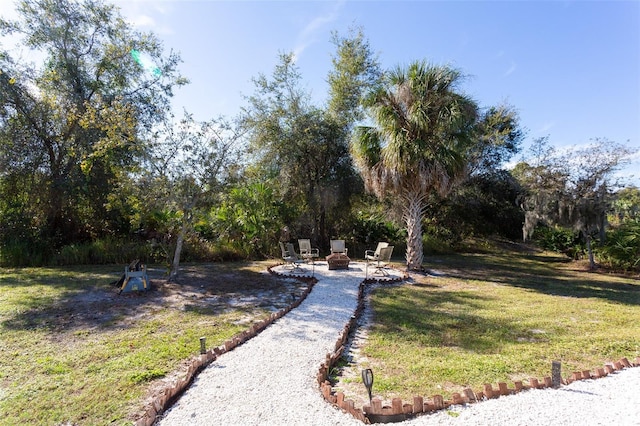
(367, 379)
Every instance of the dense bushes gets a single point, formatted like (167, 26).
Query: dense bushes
(248, 220)
(118, 251)
(369, 222)
(560, 240)
(104, 251)
(485, 205)
(621, 250)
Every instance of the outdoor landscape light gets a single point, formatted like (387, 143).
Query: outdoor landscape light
(367, 379)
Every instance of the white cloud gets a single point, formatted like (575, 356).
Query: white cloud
(146, 14)
(546, 127)
(143, 21)
(511, 69)
(509, 165)
(307, 36)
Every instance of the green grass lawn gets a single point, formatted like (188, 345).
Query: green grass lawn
(500, 316)
(72, 350)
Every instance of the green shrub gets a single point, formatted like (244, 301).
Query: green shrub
(99, 252)
(621, 250)
(104, 251)
(432, 244)
(560, 240)
(202, 250)
(438, 238)
(18, 252)
(485, 205)
(370, 227)
(109, 251)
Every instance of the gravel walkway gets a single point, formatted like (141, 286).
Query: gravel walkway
(270, 380)
(610, 401)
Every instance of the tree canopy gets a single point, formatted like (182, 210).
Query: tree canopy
(424, 128)
(571, 188)
(73, 124)
(355, 71)
(90, 152)
(305, 147)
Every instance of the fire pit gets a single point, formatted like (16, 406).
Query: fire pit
(338, 261)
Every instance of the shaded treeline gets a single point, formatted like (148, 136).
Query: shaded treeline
(95, 169)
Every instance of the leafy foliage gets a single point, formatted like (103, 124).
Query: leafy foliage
(571, 189)
(484, 205)
(70, 127)
(303, 147)
(621, 250)
(370, 222)
(626, 204)
(187, 167)
(249, 219)
(498, 138)
(355, 71)
(558, 239)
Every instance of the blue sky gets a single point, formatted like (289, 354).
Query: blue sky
(570, 68)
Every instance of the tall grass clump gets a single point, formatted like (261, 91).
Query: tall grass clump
(22, 252)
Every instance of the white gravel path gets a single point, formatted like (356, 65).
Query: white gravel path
(270, 380)
(610, 401)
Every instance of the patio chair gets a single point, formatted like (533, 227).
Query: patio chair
(291, 259)
(383, 260)
(371, 255)
(307, 252)
(338, 247)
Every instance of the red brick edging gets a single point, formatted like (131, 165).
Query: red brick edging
(197, 363)
(421, 405)
(337, 399)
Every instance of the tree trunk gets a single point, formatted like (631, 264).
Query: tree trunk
(175, 265)
(602, 226)
(413, 220)
(592, 263)
(322, 227)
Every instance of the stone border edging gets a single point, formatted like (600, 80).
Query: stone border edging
(337, 399)
(401, 411)
(197, 363)
(398, 408)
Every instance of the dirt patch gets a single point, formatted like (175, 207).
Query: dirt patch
(204, 287)
(209, 288)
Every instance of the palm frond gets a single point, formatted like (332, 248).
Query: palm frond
(423, 128)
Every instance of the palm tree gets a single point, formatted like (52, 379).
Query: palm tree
(422, 130)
